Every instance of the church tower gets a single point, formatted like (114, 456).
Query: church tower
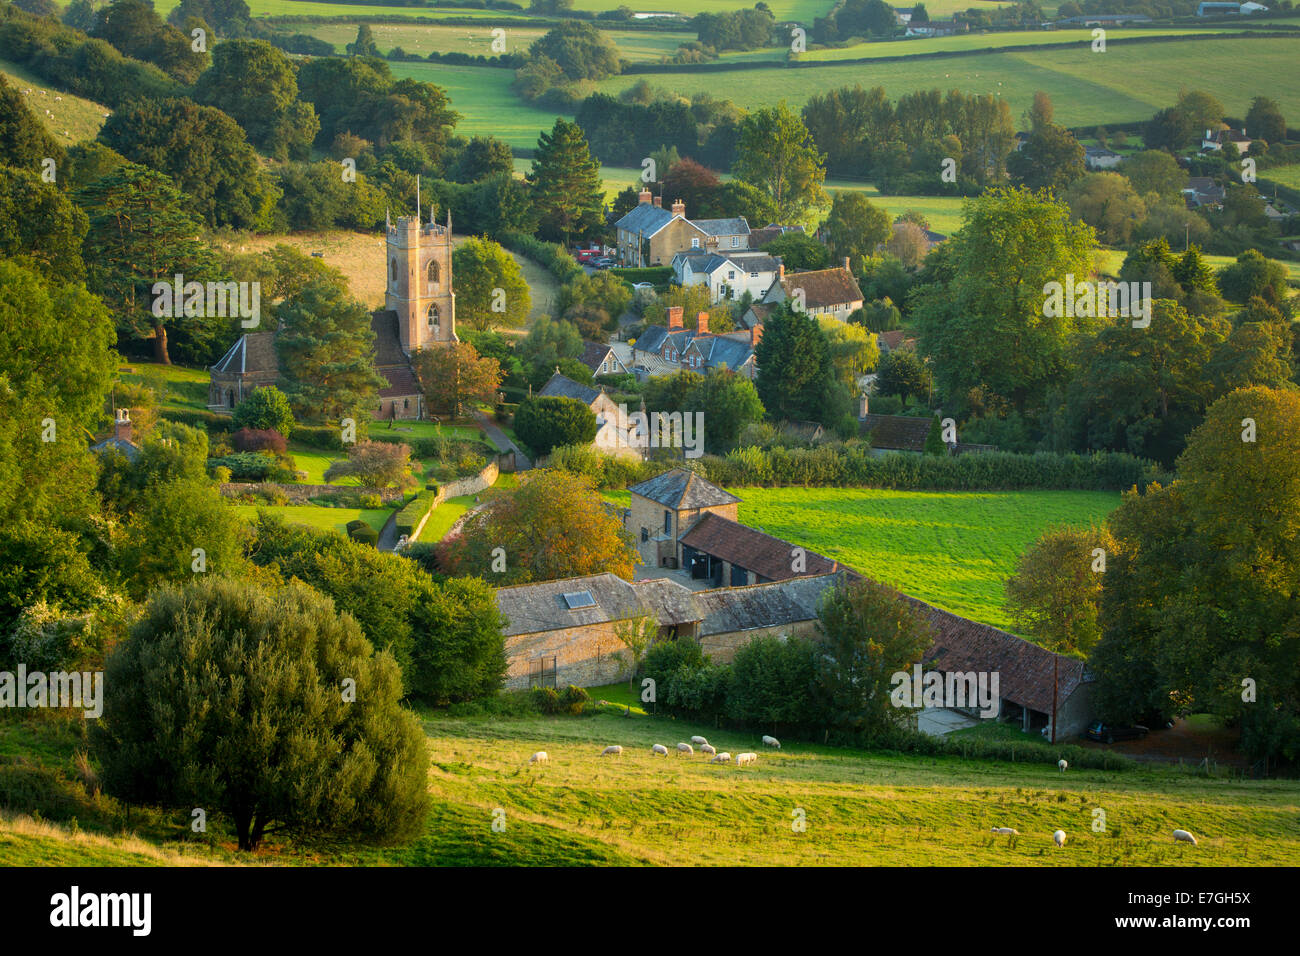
(419, 281)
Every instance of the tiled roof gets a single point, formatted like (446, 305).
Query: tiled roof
(892, 339)
(761, 237)
(761, 312)
(561, 386)
(736, 226)
(823, 287)
(896, 432)
(645, 220)
(683, 490)
(760, 262)
(593, 354)
(767, 556)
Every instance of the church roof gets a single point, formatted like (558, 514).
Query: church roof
(252, 352)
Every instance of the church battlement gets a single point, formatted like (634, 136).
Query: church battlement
(419, 281)
(408, 224)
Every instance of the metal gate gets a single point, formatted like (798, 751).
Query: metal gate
(541, 672)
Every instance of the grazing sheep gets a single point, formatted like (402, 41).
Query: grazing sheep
(708, 749)
(771, 742)
(1006, 831)
(699, 741)
(540, 757)
(744, 760)
(58, 99)
(685, 749)
(1062, 765)
(42, 92)
(1182, 836)
(613, 751)
(1059, 837)
(659, 750)
(721, 758)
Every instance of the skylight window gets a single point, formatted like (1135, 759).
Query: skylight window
(579, 599)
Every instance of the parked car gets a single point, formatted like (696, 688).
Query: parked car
(604, 262)
(1109, 733)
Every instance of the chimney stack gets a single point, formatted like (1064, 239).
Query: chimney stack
(643, 197)
(702, 324)
(862, 405)
(674, 317)
(846, 264)
(659, 202)
(755, 335)
(679, 208)
(122, 427)
(780, 271)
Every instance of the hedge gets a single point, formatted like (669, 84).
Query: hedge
(364, 535)
(549, 255)
(413, 513)
(655, 275)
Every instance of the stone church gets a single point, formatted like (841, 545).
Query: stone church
(419, 311)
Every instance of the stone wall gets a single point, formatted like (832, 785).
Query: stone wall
(586, 656)
(644, 513)
(299, 494)
(721, 648)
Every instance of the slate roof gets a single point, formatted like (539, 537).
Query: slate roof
(645, 220)
(767, 556)
(561, 386)
(593, 354)
(529, 608)
(732, 350)
(736, 226)
(683, 490)
(896, 432)
(253, 352)
(823, 287)
(128, 448)
(761, 312)
(776, 603)
(760, 262)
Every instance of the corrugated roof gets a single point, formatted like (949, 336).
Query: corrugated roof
(683, 490)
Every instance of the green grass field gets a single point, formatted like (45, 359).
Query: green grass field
(73, 119)
(1128, 82)
(315, 516)
(981, 41)
(633, 45)
(1111, 259)
(1286, 175)
(951, 549)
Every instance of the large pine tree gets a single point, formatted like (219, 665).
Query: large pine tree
(566, 184)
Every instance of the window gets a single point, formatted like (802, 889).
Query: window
(668, 521)
(695, 243)
(433, 316)
(735, 241)
(645, 535)
(434, 272)
(731, 273)
(406, 404)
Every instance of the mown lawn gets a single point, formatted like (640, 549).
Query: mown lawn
(318, 517)
(951, 549)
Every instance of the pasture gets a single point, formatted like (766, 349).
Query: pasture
(633, 45)
(73, 119)
(983, 41)
(1128, 82)
(952, 549)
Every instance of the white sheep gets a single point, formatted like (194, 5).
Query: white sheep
(1062, 764)
(540, 757)
(744, 760)
(1006, 831)
(771, 742)
(1059, 837)
(721, 758)
(1182, 836)
(58, 99)
(659, 750)
(708, 749)
(612, 751)
(685, 749)
(699, 741)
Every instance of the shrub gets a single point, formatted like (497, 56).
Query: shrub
(545, 423)
(259, 439)
(771, 683)
(221, 474)
(413, 513)
(246, 465)
(354, 524)
(546, 700)
(574, 700)
(266, 408)
(666, 658)
(365, 535)
(371, 502)
(548, 255)
(377, 464)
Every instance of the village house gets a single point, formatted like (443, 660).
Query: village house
(1098, 158)
(761, 236)
(1214, 140)
(903, 433)
(663, 350)
(602, 359)
(650, 235)
(1202, 191)
(419, 312)
(121, 439)
(728, 275)
(832, 292)
(614, 434)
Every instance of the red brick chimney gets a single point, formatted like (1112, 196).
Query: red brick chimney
(675, 317)
(702, 324)
(755, 335)
(679, 208)
(643, 197)
(122, 427)
(659, 202)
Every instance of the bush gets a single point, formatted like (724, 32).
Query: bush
(324, 437)
(221, 474)
(546, 700)
(413, 513)
(365, 535)
(666, 658)
(771, 683)
(259, 439)
(544, 423)
(246, 465)
(354, 524)
(371, 502)
(266, 408)
(548, 255)
(572, 700)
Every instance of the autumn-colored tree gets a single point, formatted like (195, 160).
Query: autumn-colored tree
(376, 464)
(554, 525)
(1056, 589)
(455, 374)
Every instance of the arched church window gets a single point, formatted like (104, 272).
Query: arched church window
(433, 316)
(434, 271)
